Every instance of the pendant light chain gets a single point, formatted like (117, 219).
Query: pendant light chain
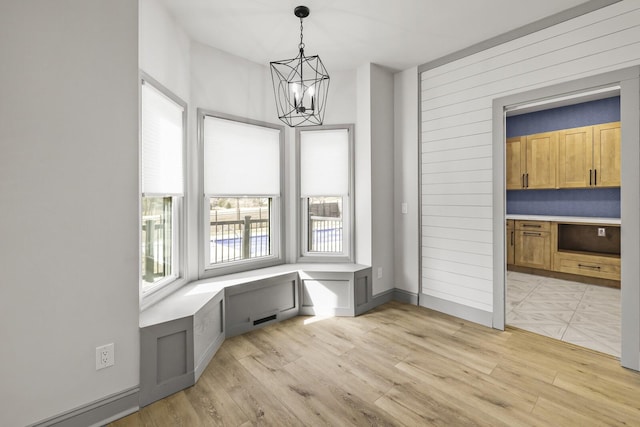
(301, 45)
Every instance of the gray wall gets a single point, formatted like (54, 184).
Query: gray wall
(68, 185)
(405, 181)
(382, 203)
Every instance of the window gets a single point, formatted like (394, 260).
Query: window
(242, 203)
(326, 206)
(162, 147)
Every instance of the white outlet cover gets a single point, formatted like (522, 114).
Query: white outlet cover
(105, 356)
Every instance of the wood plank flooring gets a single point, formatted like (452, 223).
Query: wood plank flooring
(400, 365)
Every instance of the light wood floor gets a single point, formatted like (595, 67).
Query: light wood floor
(400, 365)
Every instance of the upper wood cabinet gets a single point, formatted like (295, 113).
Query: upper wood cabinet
(530, 161)
(589, 156)
(581, 157)
(516, 162)
(541, 160)
(575, 157)
(606, 155)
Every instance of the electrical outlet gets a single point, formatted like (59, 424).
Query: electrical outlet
(105, 356)
(379, 272)
(602, 232)
(404, 208)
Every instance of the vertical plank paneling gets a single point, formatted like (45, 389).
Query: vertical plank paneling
(456, 138)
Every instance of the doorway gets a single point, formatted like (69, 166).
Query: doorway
(563, 219)
(626, 81)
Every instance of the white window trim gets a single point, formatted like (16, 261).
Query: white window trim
(277, 215)
(178, 279)
(348, 206)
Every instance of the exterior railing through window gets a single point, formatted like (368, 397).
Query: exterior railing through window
(239, 239)
(325, 234)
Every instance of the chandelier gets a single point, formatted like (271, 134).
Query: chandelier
(300, 85)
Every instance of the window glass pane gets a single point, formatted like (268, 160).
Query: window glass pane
(157, 239)
(325, 224)
(240, 228)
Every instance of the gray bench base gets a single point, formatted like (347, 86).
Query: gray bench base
(180, 335)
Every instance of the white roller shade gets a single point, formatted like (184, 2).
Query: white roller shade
(162, 139)
(240, 159)
(324, 163)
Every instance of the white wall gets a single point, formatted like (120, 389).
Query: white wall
(374, 173)
(382, 198)
(362, 150)
(68, 174)
(164, 48)
(456, 139)
(405, 178)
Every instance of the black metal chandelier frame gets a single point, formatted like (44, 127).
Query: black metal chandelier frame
(300, 85)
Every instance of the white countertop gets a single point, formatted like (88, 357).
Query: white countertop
(578, 219)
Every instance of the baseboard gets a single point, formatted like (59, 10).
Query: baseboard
(98, 413)
(406, 297)
(375, 301)
(465, 312)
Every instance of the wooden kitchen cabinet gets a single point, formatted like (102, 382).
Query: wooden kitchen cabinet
(530, 161)
(589, 156)
(541, 160)
(533, 244)
(510, 242)
(515, 163)
(606, 155)
(602, 266)
(575, 157)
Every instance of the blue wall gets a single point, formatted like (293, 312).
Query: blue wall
(588, 202)
(572, 116)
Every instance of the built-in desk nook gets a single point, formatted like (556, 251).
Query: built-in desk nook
(574, 248)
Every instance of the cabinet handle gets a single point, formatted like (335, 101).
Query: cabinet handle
(595, 177)
(527, 179)
(532, 225)
(512, 238)
(590, 177)
(592, 267)
(523, 181)
(528, 233)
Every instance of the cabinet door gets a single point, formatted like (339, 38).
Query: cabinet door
(541, 160)
(515, 162)
(606, 154)
(510, 242)
(575, 157)
(533, 249)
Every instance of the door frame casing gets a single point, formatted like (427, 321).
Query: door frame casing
(628, 79)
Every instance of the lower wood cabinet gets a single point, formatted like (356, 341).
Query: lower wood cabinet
(604, 267)
(510, 242)
(532, 244)
(569, 248)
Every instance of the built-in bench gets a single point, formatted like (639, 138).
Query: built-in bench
(180, 334)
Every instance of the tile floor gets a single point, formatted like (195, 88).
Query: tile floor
(585, 315)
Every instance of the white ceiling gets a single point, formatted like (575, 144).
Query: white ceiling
(397, 34)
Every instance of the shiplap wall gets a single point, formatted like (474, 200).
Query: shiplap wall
(456, 139)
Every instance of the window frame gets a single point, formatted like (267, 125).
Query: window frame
(177, 279)
(277, 215)
(348, 206)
